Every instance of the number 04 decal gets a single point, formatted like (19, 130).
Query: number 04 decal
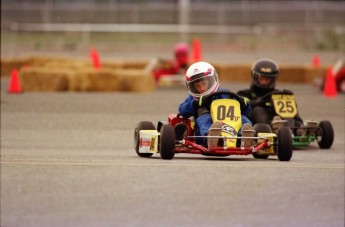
(285, 105)
(226, 111)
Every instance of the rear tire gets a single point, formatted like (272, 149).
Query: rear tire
(325, 135)
(285, 144)
(167, 142)
(261, 127)
(143, 125)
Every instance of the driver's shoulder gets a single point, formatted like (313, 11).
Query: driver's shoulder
(189, 98)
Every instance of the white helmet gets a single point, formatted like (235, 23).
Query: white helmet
(201, 79)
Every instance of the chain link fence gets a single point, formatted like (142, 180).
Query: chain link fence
(51, 25)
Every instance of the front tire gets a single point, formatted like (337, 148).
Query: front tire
(325, 135)
(167, 142)
(285, 144)
(143, 125)
(261, 127)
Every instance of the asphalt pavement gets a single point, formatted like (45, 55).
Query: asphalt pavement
(67, 159)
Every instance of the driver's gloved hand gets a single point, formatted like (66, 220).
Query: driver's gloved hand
(243, 104)
(196, 104)
(257, 102)
(199, 103)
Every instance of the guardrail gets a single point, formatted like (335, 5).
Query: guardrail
(152, 28)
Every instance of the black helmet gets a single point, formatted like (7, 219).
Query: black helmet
(264, 74)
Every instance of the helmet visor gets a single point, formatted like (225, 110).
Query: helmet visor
(265, 81)
(201, 85)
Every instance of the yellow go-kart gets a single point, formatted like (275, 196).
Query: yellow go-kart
(149, 140)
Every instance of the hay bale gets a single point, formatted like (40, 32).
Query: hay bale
(75, 81)
(89, 79)
(135, 80)
(36, 61)
(138, 64)
(111, 80)
(226, 72)
(239, 72)
(55, 62)
(112, 64)
(125, 64)
(85, 79)
(7, 65)
(42, 61)
(64, 74)
(233, 72)
(311, 73)
(288, 73)
(292, 73)
(44, 79)
(70, 64)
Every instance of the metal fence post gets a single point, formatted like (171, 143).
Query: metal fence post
(184, 11)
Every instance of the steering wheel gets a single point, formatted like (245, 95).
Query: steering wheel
(207, 100)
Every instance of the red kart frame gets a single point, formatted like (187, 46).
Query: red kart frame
(189, 146)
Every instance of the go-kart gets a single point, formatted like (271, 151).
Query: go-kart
(149, 140)
(283, 104)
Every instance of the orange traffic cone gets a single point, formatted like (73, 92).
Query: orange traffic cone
(95, 58)
(14, 85)
(316, 61)
(330, 89)
(197, 56)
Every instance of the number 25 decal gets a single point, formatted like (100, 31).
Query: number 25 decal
(286, 106)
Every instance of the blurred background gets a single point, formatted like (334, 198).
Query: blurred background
(230, 31)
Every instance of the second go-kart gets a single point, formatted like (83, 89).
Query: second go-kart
(284, 106)
(149, 140)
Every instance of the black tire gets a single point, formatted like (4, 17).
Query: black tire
(143, 125)
(261, 127)
(167, 142)
(285, 143)
(325, 135)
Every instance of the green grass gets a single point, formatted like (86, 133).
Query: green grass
(37, 40)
